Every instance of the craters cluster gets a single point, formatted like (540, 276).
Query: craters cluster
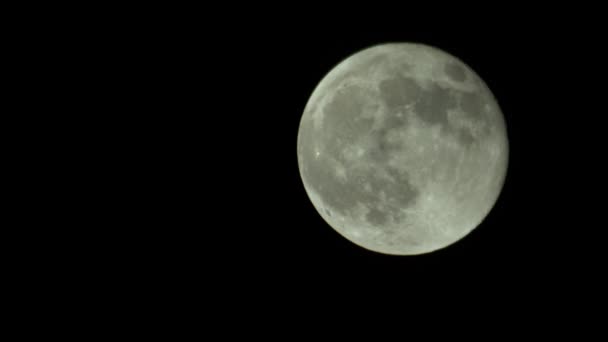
(433, 103)
(389, 153)
(382, 189)
(352, 168)
(343, 117)
(394, 192)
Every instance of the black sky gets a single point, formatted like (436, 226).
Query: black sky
(200, 112)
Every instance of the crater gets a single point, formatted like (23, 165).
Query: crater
(381, 146)
(343, 121)
(376, 217)
(345, 105)
(398, 194)
(362, 71)
(360, 186)
(465, 137)
(455, 71)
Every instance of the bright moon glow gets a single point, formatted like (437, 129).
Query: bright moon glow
(402, 149)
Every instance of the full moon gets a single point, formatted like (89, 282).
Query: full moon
(402, 149)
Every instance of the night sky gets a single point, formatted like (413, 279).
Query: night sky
(199, 113)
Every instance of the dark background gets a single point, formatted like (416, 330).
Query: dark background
(240, 213)
(181, 125)
(242, 222)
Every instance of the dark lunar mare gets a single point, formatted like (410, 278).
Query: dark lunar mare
(345, 181)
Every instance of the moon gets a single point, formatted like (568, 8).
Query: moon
(402, 149)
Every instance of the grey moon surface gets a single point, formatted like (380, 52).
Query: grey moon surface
(402, 149)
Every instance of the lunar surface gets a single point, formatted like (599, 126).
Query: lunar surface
(402, 149)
